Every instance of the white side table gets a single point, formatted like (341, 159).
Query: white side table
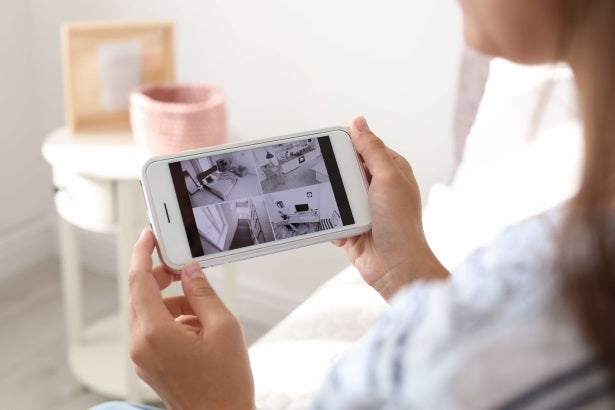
(97, 189)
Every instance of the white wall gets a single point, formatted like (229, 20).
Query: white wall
(294, 65)
(285, 66)
(24, 180)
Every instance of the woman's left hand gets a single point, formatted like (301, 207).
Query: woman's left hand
(190, 349)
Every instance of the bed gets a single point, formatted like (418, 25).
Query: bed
(219, 183)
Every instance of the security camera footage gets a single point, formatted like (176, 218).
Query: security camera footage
(258, 195)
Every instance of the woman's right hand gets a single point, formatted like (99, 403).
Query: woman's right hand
(394, 252)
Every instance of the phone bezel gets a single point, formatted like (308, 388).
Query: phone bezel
(171, 237)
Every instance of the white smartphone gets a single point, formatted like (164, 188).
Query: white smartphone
(232, 202)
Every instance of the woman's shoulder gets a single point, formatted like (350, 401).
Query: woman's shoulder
(513, 270)
(523, 247)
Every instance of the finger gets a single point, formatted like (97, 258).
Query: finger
(142, 250)
(339, 242)
(164, 276)
(144, 295)
(371, 148)
(202, 297)
(178, 306)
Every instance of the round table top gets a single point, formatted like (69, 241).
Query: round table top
(105, 155)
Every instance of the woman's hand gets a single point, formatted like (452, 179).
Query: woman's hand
(190, 349)
(395, 251)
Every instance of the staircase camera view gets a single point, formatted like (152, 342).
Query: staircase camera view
(259, 195)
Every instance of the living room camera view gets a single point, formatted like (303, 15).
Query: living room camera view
(255, 196)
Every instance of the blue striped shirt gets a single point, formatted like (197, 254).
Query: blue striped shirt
(495, 336)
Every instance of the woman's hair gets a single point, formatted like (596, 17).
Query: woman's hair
(587, 251)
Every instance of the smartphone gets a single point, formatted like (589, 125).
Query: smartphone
(232, 202)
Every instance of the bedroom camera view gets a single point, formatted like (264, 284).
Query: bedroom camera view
(254, 196)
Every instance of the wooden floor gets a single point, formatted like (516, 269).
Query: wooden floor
(33, 370)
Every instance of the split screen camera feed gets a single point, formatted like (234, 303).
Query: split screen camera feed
(259, 195)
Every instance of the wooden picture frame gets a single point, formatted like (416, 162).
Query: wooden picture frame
(103, 61)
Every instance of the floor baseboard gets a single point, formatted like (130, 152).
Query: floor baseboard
(26, 245)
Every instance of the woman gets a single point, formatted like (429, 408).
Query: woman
(524, 323)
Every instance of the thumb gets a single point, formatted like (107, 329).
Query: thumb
(203, 299)
(371, 148)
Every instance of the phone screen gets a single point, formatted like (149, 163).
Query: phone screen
(258, 195)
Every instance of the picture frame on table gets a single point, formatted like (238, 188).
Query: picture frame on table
(104, 61)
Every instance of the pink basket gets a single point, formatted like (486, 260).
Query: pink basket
(169, 118)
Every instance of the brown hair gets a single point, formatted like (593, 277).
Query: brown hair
(587, 251)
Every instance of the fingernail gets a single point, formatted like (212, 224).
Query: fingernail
(193, 270)
(361, 124)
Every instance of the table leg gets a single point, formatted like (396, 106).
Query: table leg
(126, 236)
(72, 283)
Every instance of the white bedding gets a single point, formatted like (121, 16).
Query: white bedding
(508, 171)
(289, 362)
(222, 184)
